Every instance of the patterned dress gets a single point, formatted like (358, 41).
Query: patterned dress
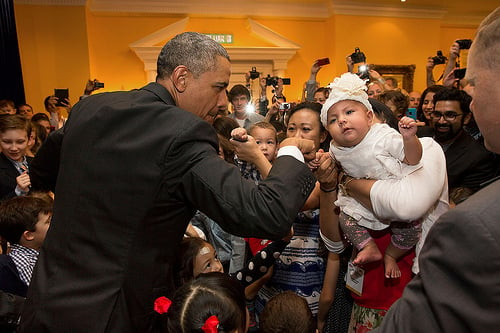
(300, 267)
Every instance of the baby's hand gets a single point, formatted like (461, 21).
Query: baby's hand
(407, 127)
(315, 163)
(239, 134)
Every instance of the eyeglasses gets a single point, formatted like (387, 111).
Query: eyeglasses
(448, 115)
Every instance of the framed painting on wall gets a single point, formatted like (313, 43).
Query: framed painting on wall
(403, 73)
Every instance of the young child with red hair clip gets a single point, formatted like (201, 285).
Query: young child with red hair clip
(213, 303)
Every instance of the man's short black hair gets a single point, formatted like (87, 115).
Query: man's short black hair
(454, 94)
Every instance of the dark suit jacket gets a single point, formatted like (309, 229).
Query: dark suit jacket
(458, 288)
(8, 175)
(10, 310)
(10, 282)
(134, 168)
(468, 163)
(45, 165)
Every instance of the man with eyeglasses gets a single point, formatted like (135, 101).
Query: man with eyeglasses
(458, 287)
(468, 163)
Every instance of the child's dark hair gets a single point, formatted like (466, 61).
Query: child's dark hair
(20, 214)
(324, 90)
(264, 125)
(224, 126)
(39, 116)
(400, 100)
(188, 250)
(383, 113)
(211, 294)
(227, 148)
(15, 122)
(287, 312)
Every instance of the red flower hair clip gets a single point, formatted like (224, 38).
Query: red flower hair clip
(211, 325)
(162, 304)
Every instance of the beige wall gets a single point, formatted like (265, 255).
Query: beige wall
(64, 46)
(54, 51)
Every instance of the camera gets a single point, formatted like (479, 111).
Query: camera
(323, 61)
(98, 85)
(254, 74)
(464, 44)
(358, 56)
(62, 95)
(439, 59)
(273, 81)
(363, 72)
(285, 106)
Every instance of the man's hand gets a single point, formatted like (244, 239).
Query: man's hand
(350, 64)
(450, 79)
(90, 86)
(374, 75)
(263, 85)
(279, 88)
(454, 51)
(327, 172)
(315, 68)
(306, 146)
(248, 150)
(66, 103)
(407, 127)
(51, 104)
(430, 64)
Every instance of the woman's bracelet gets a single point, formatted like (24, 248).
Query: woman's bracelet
(327, 190)
(344, 182)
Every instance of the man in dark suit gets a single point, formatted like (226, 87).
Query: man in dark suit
(468, 163)
(458, 287)
(134, 168)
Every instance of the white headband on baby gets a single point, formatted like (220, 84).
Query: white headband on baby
(346, 87)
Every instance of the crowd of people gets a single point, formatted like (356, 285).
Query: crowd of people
(179, 207)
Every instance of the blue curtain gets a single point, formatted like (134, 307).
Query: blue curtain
(11, 76)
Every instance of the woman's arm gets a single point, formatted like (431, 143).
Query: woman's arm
(327, 176)
(408, 198)
(328, 291)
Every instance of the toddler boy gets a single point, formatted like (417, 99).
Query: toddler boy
(24, 222)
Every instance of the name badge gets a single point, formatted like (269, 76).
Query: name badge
(354, 278)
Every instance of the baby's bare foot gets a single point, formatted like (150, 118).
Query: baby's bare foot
(370, 253)
(391, 267)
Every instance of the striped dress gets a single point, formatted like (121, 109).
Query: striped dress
(300, 267)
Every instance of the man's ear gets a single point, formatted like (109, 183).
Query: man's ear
(179, 78)
(467, 118)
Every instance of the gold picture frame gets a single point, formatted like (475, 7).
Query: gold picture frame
(403, 73)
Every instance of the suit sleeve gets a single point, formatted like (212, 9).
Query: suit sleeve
(241, 208)
(45, 166)
(457, 289)
(10, 310)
